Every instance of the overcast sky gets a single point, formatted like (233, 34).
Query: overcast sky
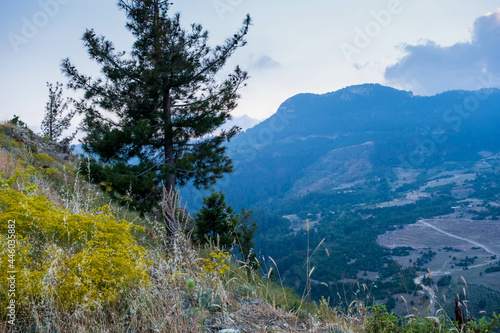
(294, 46)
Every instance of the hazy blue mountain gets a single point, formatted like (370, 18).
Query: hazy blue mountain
(360, 162)
(322, 142)
(363, 161)
(244, 122)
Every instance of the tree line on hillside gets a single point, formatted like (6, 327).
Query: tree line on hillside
(349, 248)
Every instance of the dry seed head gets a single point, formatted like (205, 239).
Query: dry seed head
(274, 262)
(436, 320)
(463, 279)
(269, 273)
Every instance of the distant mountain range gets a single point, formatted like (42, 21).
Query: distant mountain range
(244, 122)
(390, 184)
(320, 143)
(323, 142)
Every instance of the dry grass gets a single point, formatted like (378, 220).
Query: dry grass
(184, 296)
(238, 299)
(8, 163)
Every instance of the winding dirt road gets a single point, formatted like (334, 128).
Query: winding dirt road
(477, 244)
(430, 291)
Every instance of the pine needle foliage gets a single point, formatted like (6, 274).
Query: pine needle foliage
(161, 106)
(216, 222)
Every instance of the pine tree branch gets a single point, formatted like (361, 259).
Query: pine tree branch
(229, 48)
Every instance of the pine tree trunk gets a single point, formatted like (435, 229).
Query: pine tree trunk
(51, 119)
(168, 143)
(168, 146)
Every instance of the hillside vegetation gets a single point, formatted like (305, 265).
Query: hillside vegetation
(383, 177)
(74, 260)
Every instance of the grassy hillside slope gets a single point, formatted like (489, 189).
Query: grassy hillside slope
(73, 260)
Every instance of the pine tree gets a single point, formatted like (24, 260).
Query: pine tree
(246, 232)
(161, 105)
(216, 222)
(55, 122)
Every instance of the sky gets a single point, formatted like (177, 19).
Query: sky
(294, 46)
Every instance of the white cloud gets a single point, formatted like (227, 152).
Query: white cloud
(264, 62)
(429, 68)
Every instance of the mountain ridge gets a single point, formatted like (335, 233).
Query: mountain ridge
(407, 131)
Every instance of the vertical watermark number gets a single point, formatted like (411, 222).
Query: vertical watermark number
(11, 272)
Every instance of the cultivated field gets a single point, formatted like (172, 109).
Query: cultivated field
(453, 240)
